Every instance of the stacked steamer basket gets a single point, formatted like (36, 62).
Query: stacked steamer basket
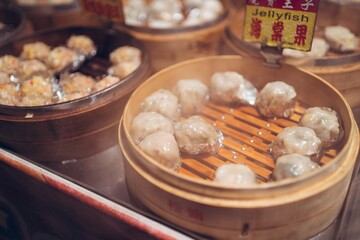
(77, 128)
(290, 209)
(12, 23)
(339, 69)
(45, 14)
(167, 46)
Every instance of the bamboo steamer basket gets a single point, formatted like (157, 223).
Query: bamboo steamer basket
(81, 127)
(290, 209)
(341, 70)
(16, 21)
(169, 46)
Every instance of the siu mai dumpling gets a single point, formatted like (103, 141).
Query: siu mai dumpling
(9, 64)
(35, 50)
(192, 95)
(276, 99)
(125, 54)
(163, 148)
(301, 140)
(231, 88)
(82, 44)
(60, 58)
(235, 175)
(325, 123)
(293, 165)
(163, 102)
(195, 135)
(146, 123)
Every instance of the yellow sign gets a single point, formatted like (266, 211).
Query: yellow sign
(109, 9)
(291, 26)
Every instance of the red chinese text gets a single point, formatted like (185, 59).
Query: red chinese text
(300, 37)
(195, 214)
(277, 28)
(255, 27)
(101, 8)
(175, 207)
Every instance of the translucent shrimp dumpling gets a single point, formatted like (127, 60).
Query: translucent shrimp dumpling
(235, 175)
(146, 123)
(164, 102)
(293, 165)
(231, 88)
(195, 135)
(163, 148)
(276, 99)
(341, 39)
(297, 139)
(325, 123)
(192, 95)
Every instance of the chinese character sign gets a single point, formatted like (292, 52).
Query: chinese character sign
(110, 9)
(289, 22)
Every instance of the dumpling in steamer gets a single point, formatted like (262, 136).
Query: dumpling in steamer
(341, 39)
(9, 64)
(164, 102)
(230, 88)
(194, 136)
(35, 50)
(9, 94)
(163, 148)
(123, 69)
(319, 48)
(30, 67)
(82, 44)
(76, 85)
(37, 91)
(276, 99)
(293, 165)
(125, 54)
(297, 139)
(235, 175)
(4, 78)
(192, 95)
(61, 57)
(146, 123)
(106, 82)
(325, 123)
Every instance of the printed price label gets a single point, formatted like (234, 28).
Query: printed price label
(289, 22)
(110, 9)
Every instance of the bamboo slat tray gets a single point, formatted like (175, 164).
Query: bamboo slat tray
(246, 140)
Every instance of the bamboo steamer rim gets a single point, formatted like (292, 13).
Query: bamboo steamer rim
(348, 148)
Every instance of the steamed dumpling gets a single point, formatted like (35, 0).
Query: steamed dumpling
(163, 148)
(301, 140)
(231, 87)
(81, 43)
(163, 102)
(192, 95)
(276, 99)
(319, 48)
(235, 175)
(194, 136)
(341, 39)
(325, 123)
(293, 165)
(146, 123)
